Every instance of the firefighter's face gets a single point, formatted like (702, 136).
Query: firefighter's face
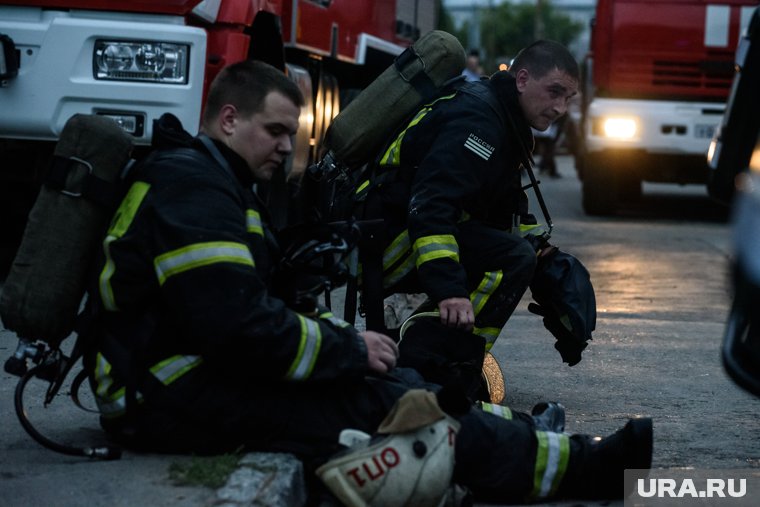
(264, 139)
(545, 100)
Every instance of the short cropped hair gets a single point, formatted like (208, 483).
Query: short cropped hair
(544, 56)
(245, 85)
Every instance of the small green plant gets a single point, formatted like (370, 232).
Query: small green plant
(209, 471)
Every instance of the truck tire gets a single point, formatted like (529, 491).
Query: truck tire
(628, 187)
(598, 189)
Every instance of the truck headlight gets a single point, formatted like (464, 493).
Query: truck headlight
(615, 127)
(161, 62)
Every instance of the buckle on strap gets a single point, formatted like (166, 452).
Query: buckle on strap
(406, 58)
(89, 186)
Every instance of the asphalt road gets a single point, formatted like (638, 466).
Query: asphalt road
(660, 271)
(661, 275)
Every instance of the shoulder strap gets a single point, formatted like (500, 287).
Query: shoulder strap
(483, 93)
(216, 154)
(211, 156)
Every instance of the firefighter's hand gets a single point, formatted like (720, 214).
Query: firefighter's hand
(382, 351)
(458, 313)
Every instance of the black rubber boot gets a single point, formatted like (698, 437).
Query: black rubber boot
(549, 416)
(596, 465)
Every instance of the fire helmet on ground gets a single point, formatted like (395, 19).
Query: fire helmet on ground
(411, 462)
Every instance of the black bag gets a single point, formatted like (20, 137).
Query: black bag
(565, 298)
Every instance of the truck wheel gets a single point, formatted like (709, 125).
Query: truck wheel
(599, 195)
(628, 188)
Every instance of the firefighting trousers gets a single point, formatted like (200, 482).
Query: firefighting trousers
(499, 267)
(500, 455)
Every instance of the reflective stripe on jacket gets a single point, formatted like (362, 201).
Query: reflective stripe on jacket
(186, 265)
(455, 160)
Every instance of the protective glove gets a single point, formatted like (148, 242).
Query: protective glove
(568, 346)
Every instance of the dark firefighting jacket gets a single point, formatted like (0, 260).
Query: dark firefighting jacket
(458, 159)
(184, 285)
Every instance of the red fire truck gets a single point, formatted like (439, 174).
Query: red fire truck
(656, 81)
(133, 60)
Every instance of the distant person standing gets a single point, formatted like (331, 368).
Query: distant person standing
(473, 71)
(545, 146)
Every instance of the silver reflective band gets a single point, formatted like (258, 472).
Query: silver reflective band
(497, 410)
(489, 283)
(198, 255)
(332, 319)
(308, 350)
(552, 456)
(169, 370)
(253, 222)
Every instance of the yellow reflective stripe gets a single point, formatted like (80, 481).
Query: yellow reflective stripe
(253, 222)
(128, 209)
(552, 455)
(104, 280)
(487, 286)
(429, 248)
(362, 187)
(489, 333)
(399, 247)
(172, 368)
(400, 272)
(308, 350)
(109, 404)
(112, 409)
(396, 249)
(120, 222)
(328, 316)
(198, 255)
(498, 410)
(392, 155)
(103, 378)
(530, 229)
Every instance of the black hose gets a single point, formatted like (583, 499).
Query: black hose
(102, 452)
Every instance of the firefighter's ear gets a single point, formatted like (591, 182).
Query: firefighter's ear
(228, 116)
(521, 79)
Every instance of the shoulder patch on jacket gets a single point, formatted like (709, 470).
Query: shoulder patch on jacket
(479, 147)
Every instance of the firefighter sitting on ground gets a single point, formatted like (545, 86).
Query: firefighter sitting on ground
(196, 354)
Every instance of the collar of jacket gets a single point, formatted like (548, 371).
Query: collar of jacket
(503, 83)
(237, 163)
(241, 172)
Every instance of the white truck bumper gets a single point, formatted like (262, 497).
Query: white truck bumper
(56, 75)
